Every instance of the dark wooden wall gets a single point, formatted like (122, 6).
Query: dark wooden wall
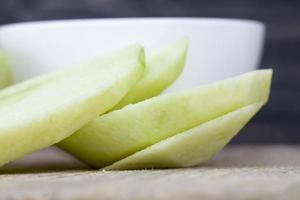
(279, 121)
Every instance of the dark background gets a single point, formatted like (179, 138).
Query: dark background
(279, 121)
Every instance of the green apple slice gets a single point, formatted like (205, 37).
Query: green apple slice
(191, 147)
(5, 76)
(163, 68)
(26, 85)
(47, 113)
(118, 134)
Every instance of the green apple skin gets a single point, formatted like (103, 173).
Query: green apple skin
(45, 114)
(163, 67)
(191, 147)
(5, 76)
(118, 134)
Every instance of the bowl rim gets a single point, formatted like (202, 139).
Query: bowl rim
(21, 26)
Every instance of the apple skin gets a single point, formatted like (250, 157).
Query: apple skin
(5, 76)
(163, 66)
(191, 147)
(121, 133)
(46, 113)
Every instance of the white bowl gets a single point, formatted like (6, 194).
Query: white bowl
(219, 48)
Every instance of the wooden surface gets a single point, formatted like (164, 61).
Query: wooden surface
(237, 173)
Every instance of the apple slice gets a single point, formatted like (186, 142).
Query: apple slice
(5, 76)
(44, 114)
(191, 147)
(116, 135)
(163, 68)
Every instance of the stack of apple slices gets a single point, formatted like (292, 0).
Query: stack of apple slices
(107, 112)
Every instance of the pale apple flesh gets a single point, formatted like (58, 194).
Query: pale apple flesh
(121, 133)
(44, 114)
(26, 85)
(163, 66)
(5, 76)
(16, 91)
(191, 147)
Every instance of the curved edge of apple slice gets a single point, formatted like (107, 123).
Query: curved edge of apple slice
(37, 81)
(5, 75)
(163, 67)
(191, 147)
(121, 133)
(53, 111)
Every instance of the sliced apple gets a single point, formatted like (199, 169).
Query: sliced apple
(191, 147)
(5, 76)
(26, 85)
(44, 114)
(163, 68)
(118, 134)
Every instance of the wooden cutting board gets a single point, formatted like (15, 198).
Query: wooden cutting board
(237, 173)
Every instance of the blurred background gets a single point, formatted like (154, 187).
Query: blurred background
(279, 121)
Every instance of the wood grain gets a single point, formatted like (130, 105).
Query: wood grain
(237, 173)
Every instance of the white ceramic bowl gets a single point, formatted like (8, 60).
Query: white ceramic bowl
(219, 48)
